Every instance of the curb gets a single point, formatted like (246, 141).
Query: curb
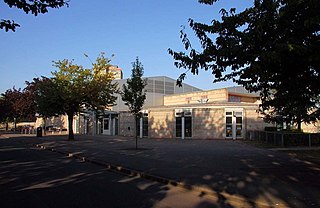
(295, 148)
(3, 136)
(119, 168)
(130, 172)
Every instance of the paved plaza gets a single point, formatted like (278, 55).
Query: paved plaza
(232, 172)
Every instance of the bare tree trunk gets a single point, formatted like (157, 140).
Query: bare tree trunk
(299, 126)
(70, 126)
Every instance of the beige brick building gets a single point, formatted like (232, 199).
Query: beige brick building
(214, 114)
(180, 113)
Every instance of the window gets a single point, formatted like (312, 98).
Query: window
(178, 126)
(183, 122)
(234, 120)
(234, 99)
(229, 124)
(188, 126)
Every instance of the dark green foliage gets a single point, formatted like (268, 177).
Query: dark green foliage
(47, 96)
(133, 93)
(34, 7)
(271, 47)
(8, 25)
(210, 2)
(74, 89)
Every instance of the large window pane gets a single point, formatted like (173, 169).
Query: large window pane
(145, 126)
(229, 131)
(239, 120)
(239, 130)
(188, 126)
(178, 126)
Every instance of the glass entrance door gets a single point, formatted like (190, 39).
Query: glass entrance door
(234, 121)
(183, 123)
(142, 125)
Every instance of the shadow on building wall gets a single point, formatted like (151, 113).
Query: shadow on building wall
(205, 124)
(208, 123)
(164, 128)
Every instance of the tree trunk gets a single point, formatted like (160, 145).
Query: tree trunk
(299, 126)
(70, 126)
(299, 123)
(136, 117)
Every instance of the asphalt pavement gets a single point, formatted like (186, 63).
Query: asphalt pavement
(230, 173)
(33, 177)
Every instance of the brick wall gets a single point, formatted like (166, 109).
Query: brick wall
(208, 123)
(196, 97)
(126, 124)
(162, 123)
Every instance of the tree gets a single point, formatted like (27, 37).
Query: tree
(18, 104)
(271, 47)
(47, 97)
(80, 89)
(134, 94)
(34, 7)
(4, 112)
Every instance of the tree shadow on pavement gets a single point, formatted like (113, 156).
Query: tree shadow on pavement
(30, 177)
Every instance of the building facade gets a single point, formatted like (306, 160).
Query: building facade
(214, 114)
(185, 112)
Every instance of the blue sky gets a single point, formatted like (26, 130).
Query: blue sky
(125, 28)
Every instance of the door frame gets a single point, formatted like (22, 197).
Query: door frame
(144, 115)
(183, 113)
(234, 115)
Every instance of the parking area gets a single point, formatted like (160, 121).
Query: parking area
(230, 168)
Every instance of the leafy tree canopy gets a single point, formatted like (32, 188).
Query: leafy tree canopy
(47, 96)
(17, 104)
(74, 89)
(34, 7)
(4, 110)
(133, 93)
(271, 47)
